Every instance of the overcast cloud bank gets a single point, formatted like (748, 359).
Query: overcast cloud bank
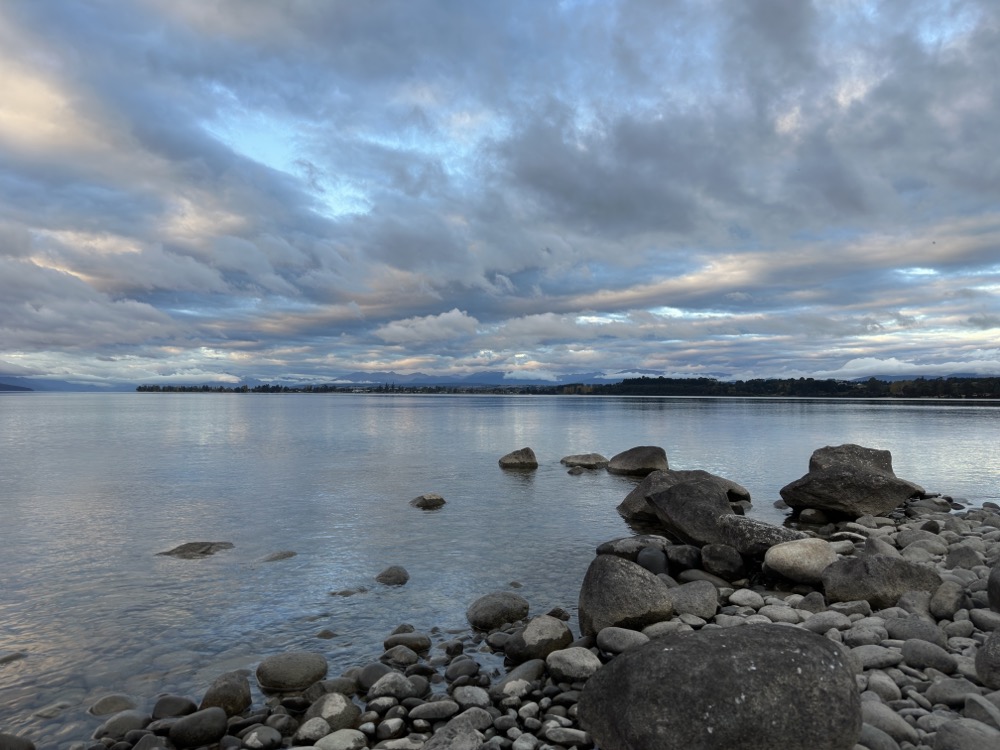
(199, 191)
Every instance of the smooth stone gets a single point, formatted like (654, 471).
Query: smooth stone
(118, 725)
(493, 610)
(923, 655)
(691, 510)
(966, 734)
(342, 739)
(751, 536)
(801, 560)
(472, 696)
(311, 730)
(230, 692)
(518, 681)
(951, 691)
(878, 579)
(699, 598)
(200, 728)
(882, 717)
(574, 664)
(540, 637)
(877, 657)
(638, 461)
(621, 593)
(111, 704)
(521, 459)
(585, 460)
(746, 598)
(394, 575)
(291, 671)
(14, 742)
(392, 685)
(173, 706)
(335, 709)
(617, 640)
(988, 661)
(905, 628)
(418, 642)
(435, 710)
(428, 501)
(262, 738)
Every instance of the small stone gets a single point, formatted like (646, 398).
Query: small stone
(394, 575)
(616, 640)
(428, 501)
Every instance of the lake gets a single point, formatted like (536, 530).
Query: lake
(92, 486)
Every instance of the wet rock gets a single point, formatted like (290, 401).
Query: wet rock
(636, 508)
(292, 670)
(111, 704)
(522, 459)
(196, 550)
(277, 556)
(585, 461)
(639, 461)
(428, 501)
(492, 610)
(13, 742)
(230, 692)
(200, 728)
(878, 579)
(118, 725)
(394, 575)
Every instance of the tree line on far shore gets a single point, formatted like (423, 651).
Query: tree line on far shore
(952, 387)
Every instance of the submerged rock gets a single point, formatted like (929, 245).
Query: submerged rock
(585, 461)
(196, 550)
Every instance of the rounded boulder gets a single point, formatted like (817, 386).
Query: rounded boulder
(755, 688)
(801, 560)
(639, 461)
(290, 671)
(621, 593)
(523, 459)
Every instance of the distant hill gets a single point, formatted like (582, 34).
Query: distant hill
(9, 387)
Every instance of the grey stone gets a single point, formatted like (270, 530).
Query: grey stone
(200, 728)
(574, 664)
(121, 723)
(966, 734)
(636, 508)
(473, 696)
(291, 671)
(951, 691)
(988, 661)
(310, 731)
(343, 739)
(782, 687)
(14, 742)
(284, 554)
(540, 637)
(922, 655)
(428, 501)
(751, 536)
(616, 640)
(394, 575)
(652, 559)
(335, 709)
(877, 657)
(621, 593)
(521, 459)
(849, 479)
(639, 461)
(172, 706)
(882, 717)
(262, 738)
(947, 600)
(878, 579)
(111, 704)
(801, 560)
(699, 598)
(723, 561)
(493, 610)
(873, 738)
(418, 642)
(435, 710)
(196, 550)
(691, 510)
(905, 628)
(585, 460)
(230, 692)
(518, 681)
(392, 685)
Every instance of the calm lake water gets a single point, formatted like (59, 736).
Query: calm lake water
(92, 486)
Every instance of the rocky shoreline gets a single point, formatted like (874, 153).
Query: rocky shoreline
(862, 626)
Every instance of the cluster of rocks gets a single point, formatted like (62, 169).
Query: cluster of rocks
(875, 630)
(638, 461)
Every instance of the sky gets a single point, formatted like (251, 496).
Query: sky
(290, 190)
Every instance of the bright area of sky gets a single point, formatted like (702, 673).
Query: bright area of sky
(213, 190)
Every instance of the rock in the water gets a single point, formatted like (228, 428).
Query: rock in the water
(230, 692)
(618, 592)
(639, 461)
(755, 688)
(13, 742)
(878, 579)
(802, 560)
(585, 460)
(394, 575)
(111, 704)
(850, 479)
(635, 507)
(200, 728)
(520, 459)
(292, 670)
(541, 636)
(284, 554)
(121, 723)
(427, 501)
(752, 537)
(691, 510)
(493, 610)
(196, 550)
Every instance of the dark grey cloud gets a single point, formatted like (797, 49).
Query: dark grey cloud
(280, 190)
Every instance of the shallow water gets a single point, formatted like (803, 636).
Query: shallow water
(92, 486)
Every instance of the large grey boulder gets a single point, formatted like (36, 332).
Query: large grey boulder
(753, 537)
(618, 592)
(493, 610)
(639, 461)
(802, 560)
(755, 688)
(878, 579)
(522, 459)
(852, 480)
(290, 671)
(691, 510)
(635, 507)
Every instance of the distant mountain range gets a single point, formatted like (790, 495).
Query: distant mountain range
(483, 378)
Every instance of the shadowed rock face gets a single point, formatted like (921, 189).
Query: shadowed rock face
(635, 506)
(755, 688)
(877, 579)
(196, 550)
(850, 480)
(618, 592)
(691, 510)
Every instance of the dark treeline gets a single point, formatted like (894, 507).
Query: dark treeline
(806, 387)
(979, 388)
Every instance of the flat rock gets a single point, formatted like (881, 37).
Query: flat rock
(585, 460)
(196, 550)
(878, 579)
(639, 461)
(574, 664)
(751, 536)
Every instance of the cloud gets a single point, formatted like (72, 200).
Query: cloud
(307, 189)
